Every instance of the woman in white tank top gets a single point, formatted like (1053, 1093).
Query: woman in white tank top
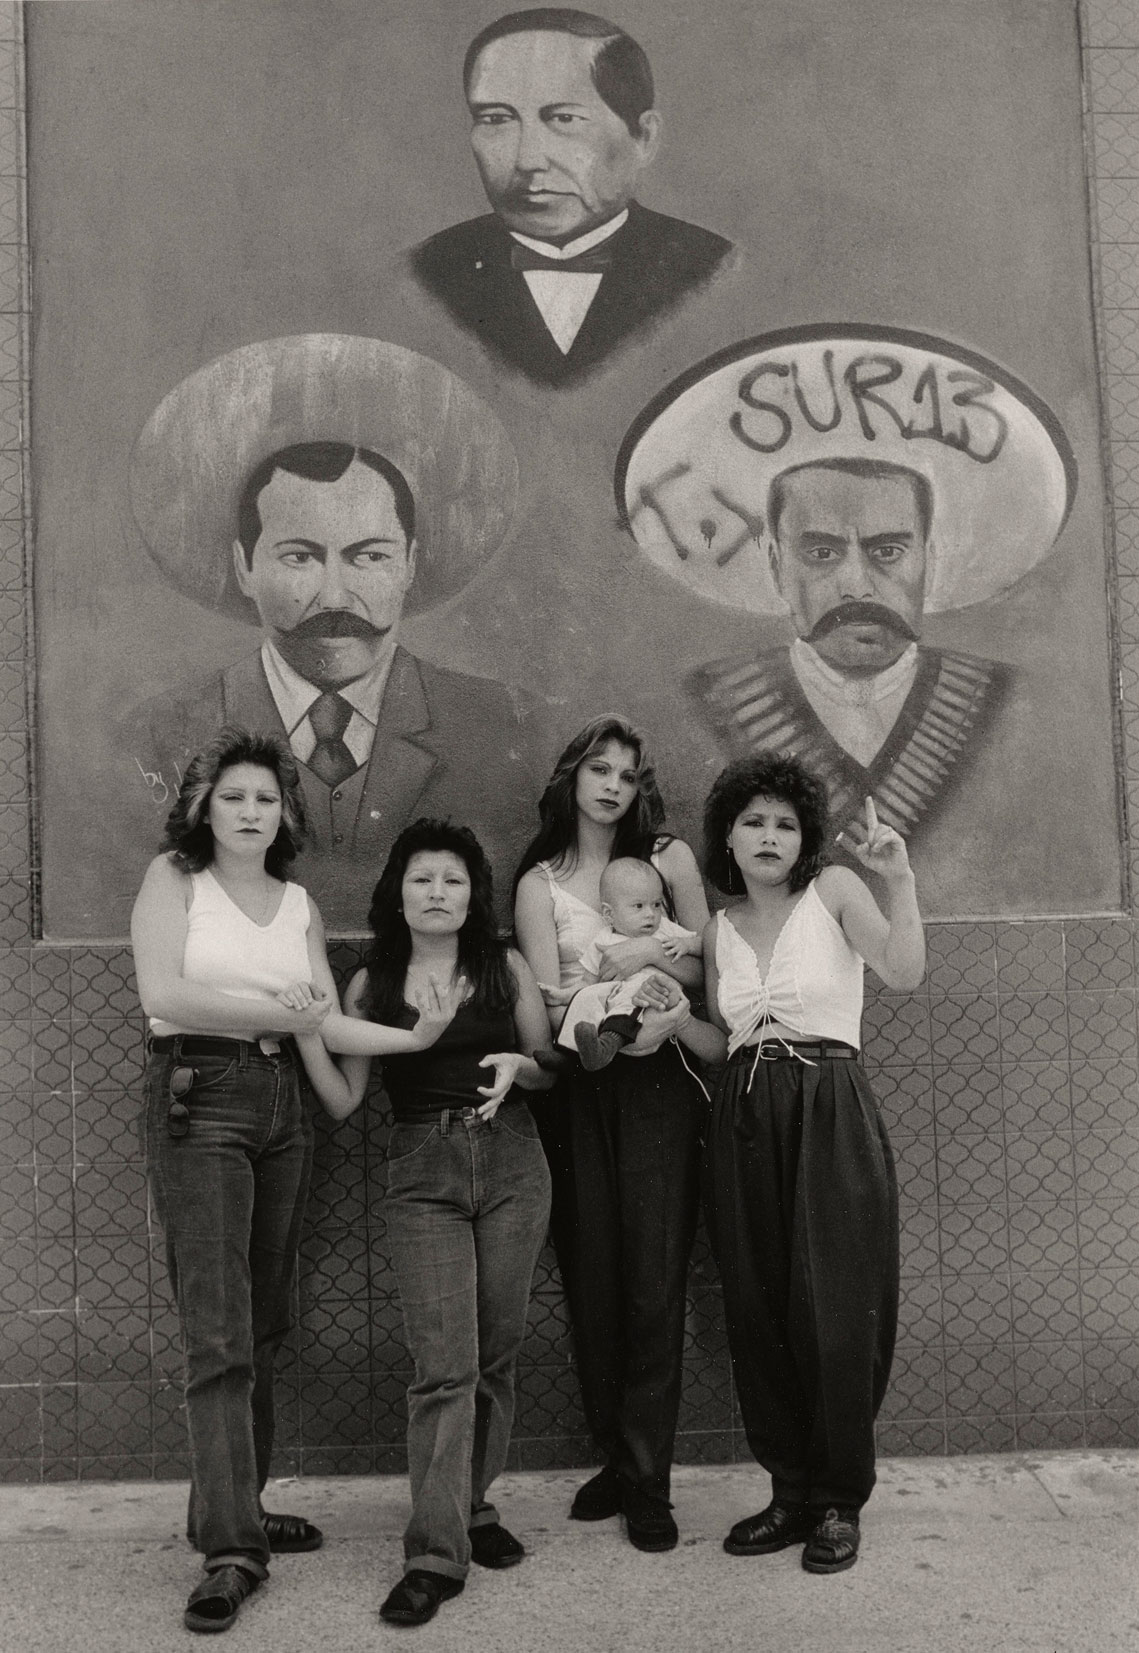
(623, 1144)
(800, 1194)
(218, 934)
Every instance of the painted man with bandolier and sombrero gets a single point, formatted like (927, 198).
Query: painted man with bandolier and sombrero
(856, 480)
(324, 486)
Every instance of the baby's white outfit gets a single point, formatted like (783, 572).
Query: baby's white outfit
(599, 999)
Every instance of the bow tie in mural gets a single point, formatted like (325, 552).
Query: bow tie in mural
(594, 262)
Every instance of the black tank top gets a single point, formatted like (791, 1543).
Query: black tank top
(447, 1074)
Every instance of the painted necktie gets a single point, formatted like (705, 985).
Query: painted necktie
(331, 760)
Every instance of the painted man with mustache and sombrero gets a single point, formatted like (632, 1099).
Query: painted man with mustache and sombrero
(856, 695)
(857, 480)
(326, 545)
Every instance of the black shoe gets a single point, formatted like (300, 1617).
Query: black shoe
(648, 1522)
(214, 1602)
(416, 1597)
(833, 1546)
(600, 1497)
(596, 1049)
(289, 1534)
(493, 1546)
(774, 1528)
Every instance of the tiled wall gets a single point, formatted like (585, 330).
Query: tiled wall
(1009, 1082)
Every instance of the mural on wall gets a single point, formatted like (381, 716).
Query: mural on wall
(318, 487)
(568, 266)
(855, 481)
(431, 587)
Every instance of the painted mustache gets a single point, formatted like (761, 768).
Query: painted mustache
(861, 613)
(334, 622)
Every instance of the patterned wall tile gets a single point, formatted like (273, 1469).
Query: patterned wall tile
(980, 1435)
(970, 1170)
(1043, 1237)
(980, 1381)
(1033, 1028)
(1040, 1166)
(968, 1099)
(1107, 1166)
(1037, 1096)
(1045, 1306)
(1110, 23)
(975, 1240)
(1030, 958)
(964, 1030)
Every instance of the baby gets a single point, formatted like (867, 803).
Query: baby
(602, 1017)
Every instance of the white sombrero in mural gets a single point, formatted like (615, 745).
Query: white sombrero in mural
(694, 471)
(200, 444)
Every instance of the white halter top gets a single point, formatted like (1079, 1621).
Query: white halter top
(576, 924)
(813, 984)
(226, 950)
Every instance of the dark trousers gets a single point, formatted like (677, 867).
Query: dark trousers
(230, 1195)
(624, 1148)
(468, 1201)
(802, 1209)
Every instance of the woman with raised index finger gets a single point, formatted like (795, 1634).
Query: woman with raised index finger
(800, 1193)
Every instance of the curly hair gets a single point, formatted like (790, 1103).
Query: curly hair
(482, 950)
(767, 775)
(189, 838)
(638, 830)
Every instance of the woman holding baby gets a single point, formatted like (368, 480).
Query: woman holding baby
(624, 1141)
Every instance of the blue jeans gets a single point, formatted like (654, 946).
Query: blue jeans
(230, 1195)
(467, 1206)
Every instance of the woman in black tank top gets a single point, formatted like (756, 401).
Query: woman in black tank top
(468, 1194)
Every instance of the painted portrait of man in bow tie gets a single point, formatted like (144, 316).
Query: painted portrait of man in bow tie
(568, 267)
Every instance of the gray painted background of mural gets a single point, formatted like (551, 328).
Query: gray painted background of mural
(259, 170)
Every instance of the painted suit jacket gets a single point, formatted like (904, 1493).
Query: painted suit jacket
(754, 703)
(656, 262)
(446, 745)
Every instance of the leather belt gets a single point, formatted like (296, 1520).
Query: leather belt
(205, 1044)
(792, 1050)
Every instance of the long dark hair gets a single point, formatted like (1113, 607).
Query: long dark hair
(189, 838)
(482, 951)
(767, 775)
(638, 830)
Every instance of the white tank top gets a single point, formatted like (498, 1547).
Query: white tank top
(576, 924)
(813, 983)
(226, 950)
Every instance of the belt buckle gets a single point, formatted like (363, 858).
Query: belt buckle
(269, 1046)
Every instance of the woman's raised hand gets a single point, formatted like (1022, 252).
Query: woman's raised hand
(436, 1006)
(876, 846)
(505, 1064)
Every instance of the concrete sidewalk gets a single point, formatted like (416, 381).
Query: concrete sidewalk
(979, 1555)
